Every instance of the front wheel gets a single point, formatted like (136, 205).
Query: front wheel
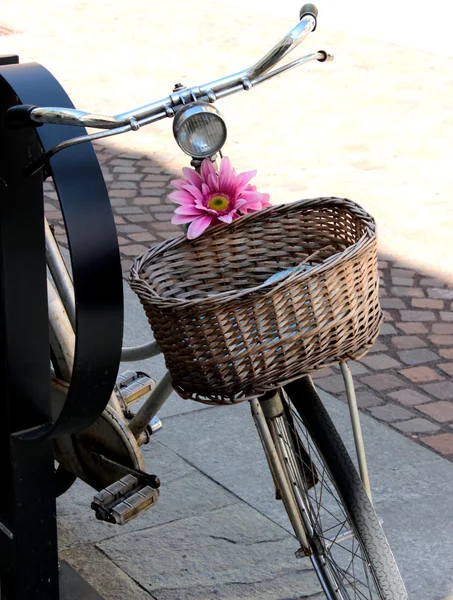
(348, 548)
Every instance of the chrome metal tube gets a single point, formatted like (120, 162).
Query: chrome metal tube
(103, 134)
(306, 510)
(151, 406)
(60, 274)
(71, 116)
(280, 50)
(145, 112)
(61, 327)
(295, 63)
(140, 352)
(278, 472)
(86, 138)
(62, 338)
(156, 110)
(132, 120)
(356, 427)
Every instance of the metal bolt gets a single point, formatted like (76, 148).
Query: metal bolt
(135, 125)
(246, 84)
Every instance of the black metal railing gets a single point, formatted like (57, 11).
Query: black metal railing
(28, 540)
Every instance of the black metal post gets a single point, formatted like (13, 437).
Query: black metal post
(28, 533)
(27, 497)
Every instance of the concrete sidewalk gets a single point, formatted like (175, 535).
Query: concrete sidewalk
(217, 532)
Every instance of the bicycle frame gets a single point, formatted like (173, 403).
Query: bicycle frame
(300, 441)
(63, 314)
(61, 319)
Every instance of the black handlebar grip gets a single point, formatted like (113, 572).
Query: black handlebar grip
(309, 9)
(19, 116)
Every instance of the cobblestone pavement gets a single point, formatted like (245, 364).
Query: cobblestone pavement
(378, 132)
(138, 187)
(404, 381)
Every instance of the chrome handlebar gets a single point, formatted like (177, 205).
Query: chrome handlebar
(134, 119)
(286, 45)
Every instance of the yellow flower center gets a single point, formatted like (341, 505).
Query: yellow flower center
(218, 203)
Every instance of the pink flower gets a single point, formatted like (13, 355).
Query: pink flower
(209, 198)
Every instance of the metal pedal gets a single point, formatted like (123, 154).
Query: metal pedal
(123, 500)
(132, 385)
(155, 425)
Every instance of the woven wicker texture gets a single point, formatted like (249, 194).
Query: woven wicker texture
(226, 335)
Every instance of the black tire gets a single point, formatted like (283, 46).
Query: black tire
(306, 419)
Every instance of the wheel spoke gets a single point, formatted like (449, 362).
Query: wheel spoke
(320, 503)
(324, 485)
(317, 459)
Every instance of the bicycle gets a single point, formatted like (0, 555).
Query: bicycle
(327, 502)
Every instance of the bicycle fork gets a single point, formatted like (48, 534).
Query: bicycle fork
(266, 412)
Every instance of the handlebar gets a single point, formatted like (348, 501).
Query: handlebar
(309, 9)
(134, 119)
(297, 35)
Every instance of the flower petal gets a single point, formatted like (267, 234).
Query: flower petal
(226, 218)
(225, 166)
(213, 183)
(192, 176)
(250, 207)
(180, 184)
(225, 172)
(181, 219)
(266, 201)
(188, 210)
(243, 178)
(196, 193)
(239, 203)
(252, 196)
(181, 197)
(205, 189)
(197, 226)
(207, 168)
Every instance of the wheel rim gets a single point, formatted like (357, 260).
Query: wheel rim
(341, 563)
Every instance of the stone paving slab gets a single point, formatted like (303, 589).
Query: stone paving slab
(405, 480)
(78, 524)
(216, 548)
(102, 573)
(266, 590)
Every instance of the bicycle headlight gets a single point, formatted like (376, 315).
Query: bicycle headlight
(199, 129)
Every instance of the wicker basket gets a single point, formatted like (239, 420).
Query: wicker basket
(226, 334)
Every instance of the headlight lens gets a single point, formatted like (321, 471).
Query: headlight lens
(199, 129)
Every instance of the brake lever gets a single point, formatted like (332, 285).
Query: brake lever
(320, 56)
